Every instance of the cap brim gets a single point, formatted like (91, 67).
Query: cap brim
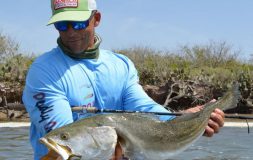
(70, 16)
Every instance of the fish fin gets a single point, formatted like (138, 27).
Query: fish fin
(235, 89)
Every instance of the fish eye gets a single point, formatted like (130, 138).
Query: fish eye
(64, 136)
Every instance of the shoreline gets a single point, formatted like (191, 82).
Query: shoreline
(14, 124)
(241, 124)
(238, 124)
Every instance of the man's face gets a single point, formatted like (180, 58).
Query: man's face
(79, 40)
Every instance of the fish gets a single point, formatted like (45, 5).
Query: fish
(142, 136)
(93, 143)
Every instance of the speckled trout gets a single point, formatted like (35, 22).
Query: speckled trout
(141, 136)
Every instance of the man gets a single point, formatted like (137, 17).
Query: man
(79, 73)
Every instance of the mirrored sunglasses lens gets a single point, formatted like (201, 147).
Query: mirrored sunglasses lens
(61, 26)
(80, 25)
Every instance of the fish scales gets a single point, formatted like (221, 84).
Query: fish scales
(144, 136)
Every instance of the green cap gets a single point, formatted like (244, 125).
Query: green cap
(71, 10)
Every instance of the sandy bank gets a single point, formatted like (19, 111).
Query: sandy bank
(14, 124)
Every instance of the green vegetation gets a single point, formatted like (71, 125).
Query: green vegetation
(215, 63)
(13, 69)
(13, 64)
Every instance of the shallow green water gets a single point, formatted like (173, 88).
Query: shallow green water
(232, 143)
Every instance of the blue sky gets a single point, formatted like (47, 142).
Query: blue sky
(159, 24)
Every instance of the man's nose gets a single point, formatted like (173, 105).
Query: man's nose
(70, 29)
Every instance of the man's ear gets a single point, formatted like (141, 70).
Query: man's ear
(97, 18)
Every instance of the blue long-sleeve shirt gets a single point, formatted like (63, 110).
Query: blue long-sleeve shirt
(56, 82)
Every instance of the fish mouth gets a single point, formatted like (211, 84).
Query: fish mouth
(64, 151)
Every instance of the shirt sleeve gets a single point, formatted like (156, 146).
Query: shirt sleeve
(135, 98)
(46, 104)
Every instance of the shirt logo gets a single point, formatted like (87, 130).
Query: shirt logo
(44, 109)
(65, 4)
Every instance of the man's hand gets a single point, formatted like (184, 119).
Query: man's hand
(51, 155)
(215, 122)
(118, 152)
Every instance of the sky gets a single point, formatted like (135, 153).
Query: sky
(159, 24)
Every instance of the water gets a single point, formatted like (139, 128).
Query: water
(14, 144)
(233, 143)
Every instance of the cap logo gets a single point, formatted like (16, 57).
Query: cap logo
(65, 4)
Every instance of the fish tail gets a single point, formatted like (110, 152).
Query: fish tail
(228, 100)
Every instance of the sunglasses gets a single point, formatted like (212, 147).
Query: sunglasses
(63, 25)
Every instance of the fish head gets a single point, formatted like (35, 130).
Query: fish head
(81, 142)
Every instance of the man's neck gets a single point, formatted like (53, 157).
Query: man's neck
(90, 53)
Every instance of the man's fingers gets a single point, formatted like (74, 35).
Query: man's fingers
(213, 100)
(194, 109)
(215, 126)
(215, 122)
(51, 155)
(211, 128)
(218, 118)
(118, 152)
(220, 112)
(208, 132)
